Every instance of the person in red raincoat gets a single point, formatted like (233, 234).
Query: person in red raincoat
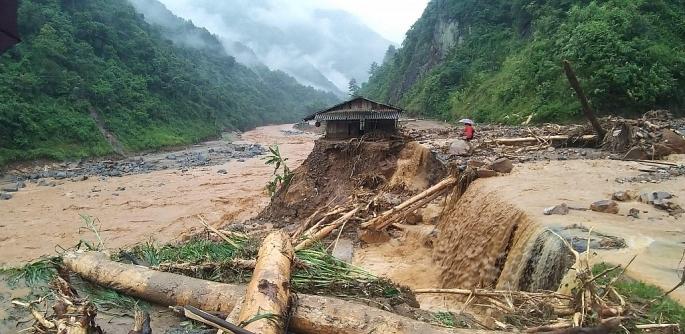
(469, 131)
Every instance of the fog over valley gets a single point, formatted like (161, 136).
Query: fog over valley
(318, 45)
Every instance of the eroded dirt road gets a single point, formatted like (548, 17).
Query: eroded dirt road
(161, 205)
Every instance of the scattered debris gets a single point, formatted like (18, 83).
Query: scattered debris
(605, 206)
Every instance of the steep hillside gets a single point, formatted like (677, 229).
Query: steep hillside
(98, 59)
(318, 46)
(501, 60)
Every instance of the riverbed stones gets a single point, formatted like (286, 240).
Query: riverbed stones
(561, 209)
(222, 171)
(502, 165)
(605, 206)
(5, 196)
(60, 175)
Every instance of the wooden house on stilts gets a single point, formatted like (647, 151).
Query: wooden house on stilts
(357, 117)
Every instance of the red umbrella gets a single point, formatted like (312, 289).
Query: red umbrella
(9, 34)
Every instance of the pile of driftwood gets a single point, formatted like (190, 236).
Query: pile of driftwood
(648, 138)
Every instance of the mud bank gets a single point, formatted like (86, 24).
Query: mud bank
(336, 172)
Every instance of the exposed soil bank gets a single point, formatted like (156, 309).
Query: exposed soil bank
(160, 205)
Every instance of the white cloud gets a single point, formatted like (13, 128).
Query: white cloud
(390, 18)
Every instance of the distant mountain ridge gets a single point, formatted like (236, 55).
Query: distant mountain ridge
(319, 47)
(84, 64)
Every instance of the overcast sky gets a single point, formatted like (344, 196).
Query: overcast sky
(390, 18)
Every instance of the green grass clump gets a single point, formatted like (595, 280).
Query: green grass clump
(640, 294)
(194, 251)
(35, 273)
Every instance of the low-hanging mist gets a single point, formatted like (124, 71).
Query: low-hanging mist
(319, 46)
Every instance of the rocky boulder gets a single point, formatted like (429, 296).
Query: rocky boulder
(605, 206)
(502, 165)
(460, 147)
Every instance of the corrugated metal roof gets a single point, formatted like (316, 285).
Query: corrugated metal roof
(354, 115)
(382, 108)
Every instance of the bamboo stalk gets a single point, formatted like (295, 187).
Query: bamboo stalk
(324, 232)
(379, 222)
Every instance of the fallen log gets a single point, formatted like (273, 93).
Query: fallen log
(311, 314)
(269, 289)
(386, 218)
(324, 232)
(586, 139)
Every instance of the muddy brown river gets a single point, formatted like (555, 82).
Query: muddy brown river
(161, 205)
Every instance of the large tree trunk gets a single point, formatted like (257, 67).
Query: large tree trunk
(587, 110)
(269, 288)
(312, 314)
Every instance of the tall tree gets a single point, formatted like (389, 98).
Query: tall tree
(353, 87)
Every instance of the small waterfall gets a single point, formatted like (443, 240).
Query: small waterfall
(485, 242)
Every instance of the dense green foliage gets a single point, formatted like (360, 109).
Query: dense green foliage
(501, 60)
(81, 60)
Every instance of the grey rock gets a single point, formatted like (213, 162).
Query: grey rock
(241, 160)
(60, 175)
(79, 178)
(460, 147)
(171, 157)
(222, 171)
(651, 197)
(635, 213)
(502, 165)
(605, 206)
(561, 209)
(45, 183)
(344, 250)
(121, 189)
(115, 173)
(5, 196)
(21, 184)
(11, 189)
(621, 196)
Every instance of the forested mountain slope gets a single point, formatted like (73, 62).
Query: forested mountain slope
(501, 60)
(81, 58)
